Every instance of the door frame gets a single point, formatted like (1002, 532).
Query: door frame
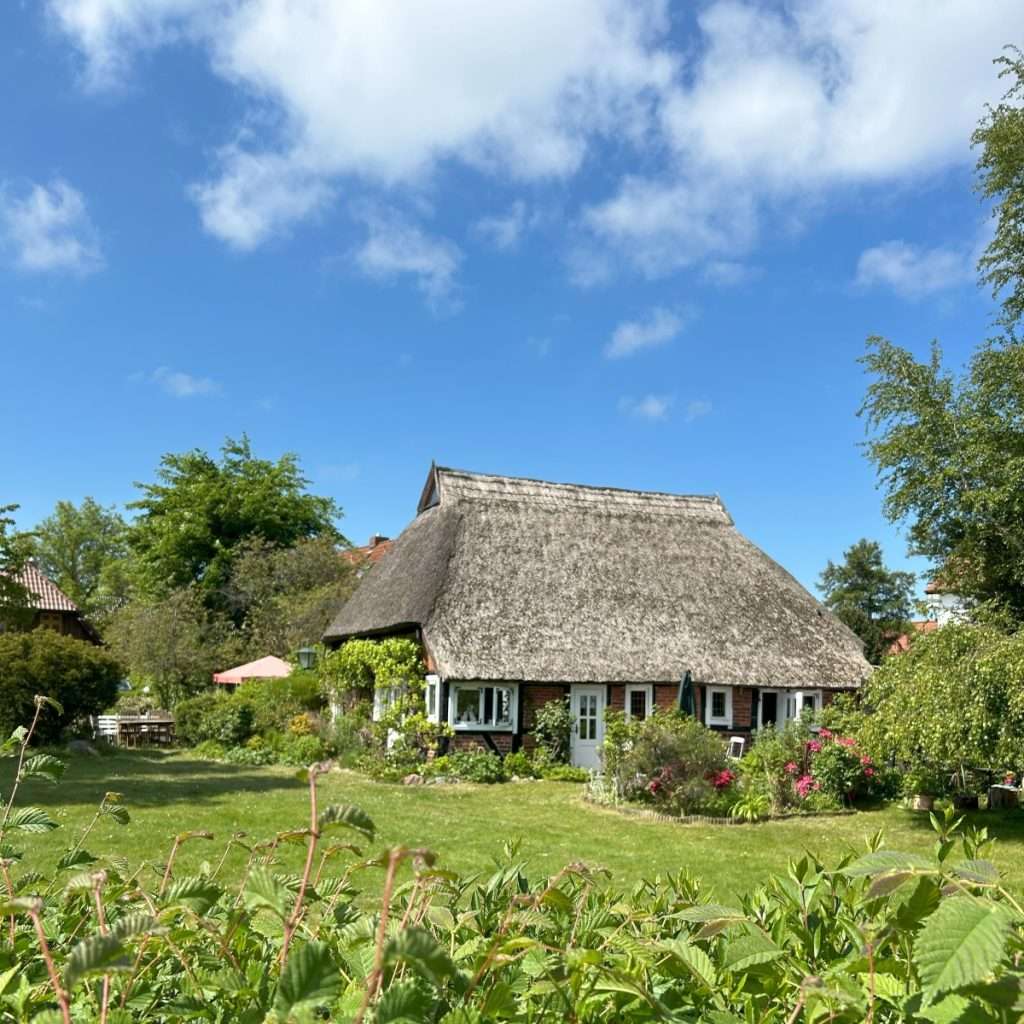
(601, 691)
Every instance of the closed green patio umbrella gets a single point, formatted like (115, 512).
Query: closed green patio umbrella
(686, 704)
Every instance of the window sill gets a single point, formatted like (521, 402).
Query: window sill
(473, 727)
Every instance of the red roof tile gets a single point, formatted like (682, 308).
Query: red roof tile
(44, 594)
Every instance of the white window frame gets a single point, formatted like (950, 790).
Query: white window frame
(647, 690)
(432, 695)
(800, 695)
(453, 701)
(726, 719)
(383, 698)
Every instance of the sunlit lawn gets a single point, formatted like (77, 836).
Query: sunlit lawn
(167, 793)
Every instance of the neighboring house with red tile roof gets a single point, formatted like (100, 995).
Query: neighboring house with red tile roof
(902, 643)
(369, 554)
(51, 607)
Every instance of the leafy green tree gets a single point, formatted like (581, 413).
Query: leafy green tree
(14, 549)
(173, 644)
(950, 457)
(82, 549)
(1000, 135)
(954, 701)
(874, 601)
(193, 520)
(82, 678)
(286, 597)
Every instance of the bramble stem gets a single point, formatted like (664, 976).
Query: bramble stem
(51, 970)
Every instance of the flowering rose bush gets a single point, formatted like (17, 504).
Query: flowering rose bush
(669, 760)
(842, 771)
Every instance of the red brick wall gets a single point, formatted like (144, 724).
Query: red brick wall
(618, 698)
(476, 741)
(533, 696)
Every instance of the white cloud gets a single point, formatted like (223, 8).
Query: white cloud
(649, 407)
(395, 247)
(183, 385)
(761, 113)
(913, 271)
(387, 90)
(659, 327)
(780, 106)
(48, 229)
(697, 408)
(257, 196)
(503, 231)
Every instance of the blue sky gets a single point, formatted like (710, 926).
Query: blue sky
(633, 244)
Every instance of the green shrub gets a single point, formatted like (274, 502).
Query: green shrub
(520, 764)
(563, 773)
(213, 716)
(300, 751)
(256, 756)
(476, 766)
(669, 759)
(552, 726)
(774, 764)
(82, 678)
(275, 702)
(209, 750)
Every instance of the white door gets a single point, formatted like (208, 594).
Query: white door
(588, 729)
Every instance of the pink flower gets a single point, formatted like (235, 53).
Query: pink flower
(813, 746)
(791, 768)
(805, 785)
(865, 759)
(846, 741)
(723, 779)
(869, 772)
(654, 785)
(825, 734)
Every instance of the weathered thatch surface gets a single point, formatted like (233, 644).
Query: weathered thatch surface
(538, 582)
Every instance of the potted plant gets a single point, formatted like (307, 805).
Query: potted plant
(921, 785)
(965, 789)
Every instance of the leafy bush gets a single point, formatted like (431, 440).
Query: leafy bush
(776, 763)
(887, 937)
(82, 678)
(552, 726)
(669, 759)
(300, 751)
(476, 766)
(276, 702)
(563, 773)
(519, 764)
(213, 716)
(256, 756)
(209, 750)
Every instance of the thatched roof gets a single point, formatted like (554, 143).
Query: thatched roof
(525, 580)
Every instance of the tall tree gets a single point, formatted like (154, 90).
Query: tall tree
(872, 600)
(1000, 135)
(192, 521)
(950, 456)
(286, 597)
(14, 550)
(82, 549)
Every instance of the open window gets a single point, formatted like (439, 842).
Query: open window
(639, 702)
(718, 709)
(473, 707)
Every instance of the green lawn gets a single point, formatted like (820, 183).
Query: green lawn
(466, 825)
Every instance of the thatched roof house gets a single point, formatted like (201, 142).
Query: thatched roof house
(609, 595)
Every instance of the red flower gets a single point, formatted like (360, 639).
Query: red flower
(723, 779)
(865, 759)
(654, 785)
(791, 768)
(869, 772)
(813, 746)
(825, 734)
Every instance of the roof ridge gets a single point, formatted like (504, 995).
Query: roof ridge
(710, 499)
